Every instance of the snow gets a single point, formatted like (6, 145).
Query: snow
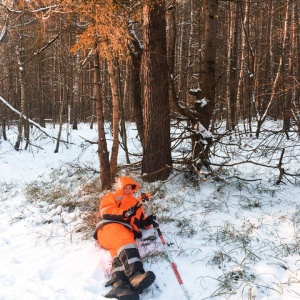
(230, 239)
(2, 33)
(203, 102)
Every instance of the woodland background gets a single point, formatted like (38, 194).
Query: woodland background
(188, 64)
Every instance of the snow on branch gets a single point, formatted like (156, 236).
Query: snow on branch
(25, 118)
(206, 134)
(136, 40)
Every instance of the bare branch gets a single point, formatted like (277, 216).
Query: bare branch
(25, 118)
(47, 45)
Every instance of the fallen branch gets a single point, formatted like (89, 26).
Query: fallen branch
(88, 141)
(26, 118)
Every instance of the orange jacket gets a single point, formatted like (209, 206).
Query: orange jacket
(113, 206)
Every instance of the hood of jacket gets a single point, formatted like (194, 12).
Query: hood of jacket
(124, 180)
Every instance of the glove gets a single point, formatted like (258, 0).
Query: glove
(131, 211)
(137, 235)
(149, 220)
(145, 197)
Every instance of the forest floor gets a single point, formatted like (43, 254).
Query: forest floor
(234, 235)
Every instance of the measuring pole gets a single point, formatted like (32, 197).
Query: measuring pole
(173, 265)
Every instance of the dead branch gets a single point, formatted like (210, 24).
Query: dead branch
(88, 141)
(25, 117)
(48, 44)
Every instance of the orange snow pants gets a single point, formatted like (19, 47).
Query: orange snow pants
(114, 236)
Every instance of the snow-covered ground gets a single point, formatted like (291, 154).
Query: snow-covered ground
(231, 239)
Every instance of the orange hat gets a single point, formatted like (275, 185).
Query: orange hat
(122, 181)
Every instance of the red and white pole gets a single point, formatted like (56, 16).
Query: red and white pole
(173, 265)
(144, 199)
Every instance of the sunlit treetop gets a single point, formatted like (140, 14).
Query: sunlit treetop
(107, 24)
(101, 25)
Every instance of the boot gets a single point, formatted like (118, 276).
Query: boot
(133, 268)
(117, 272)
(140, 281)
(121, 291)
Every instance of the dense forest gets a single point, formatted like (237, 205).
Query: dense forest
(184, 63)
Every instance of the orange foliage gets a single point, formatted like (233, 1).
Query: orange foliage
(107, 25)
(104, 23)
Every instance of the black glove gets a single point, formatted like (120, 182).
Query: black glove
(131, 211)
(144, 197)
(137, 234)
(149, 220)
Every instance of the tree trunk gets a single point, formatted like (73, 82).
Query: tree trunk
(209, 61)
(241, 84)
(60, 122)
(289, 74)
(103, 154)
(4, 128)
(233, 69)
(230, 16)
(136, 57)
(205, 112)
(76, 92)
(22, 122)
(124, 104)
(157, 161)
(264, 115)
(115, 119)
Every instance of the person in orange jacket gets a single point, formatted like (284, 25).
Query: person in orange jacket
(122, 218)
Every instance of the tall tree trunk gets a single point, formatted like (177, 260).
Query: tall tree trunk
(23, 124)
(105, 175)
(3, 123)
(124, 104)
(264, 115)
(289, 74)
(230, 17)
(233, 69)
(115, 119)
(60, 121)
(135, 65)
(76, 92)
(157, 161)
(205, 109)
(240, 92)
(209, 62)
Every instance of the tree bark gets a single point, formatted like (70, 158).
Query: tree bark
(209, 62)
(105, 175)
(135, 66)
(157, 161)
(76, 92)
(23, 124)
(264, 115)
(60, 122)
(233, 69)
(115, 119)
(290, 80)
(205, 113)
